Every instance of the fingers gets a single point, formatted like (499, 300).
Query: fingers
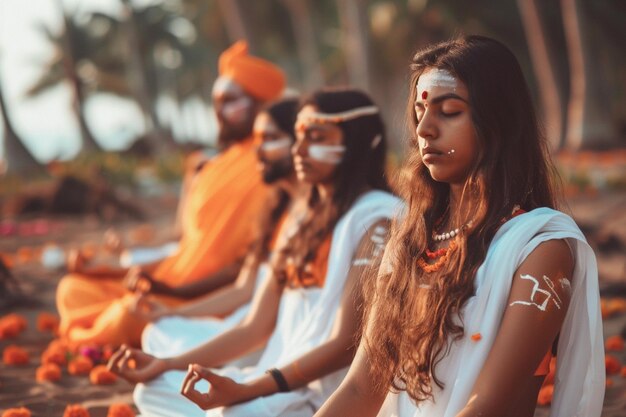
(188, 389)
(112, 365)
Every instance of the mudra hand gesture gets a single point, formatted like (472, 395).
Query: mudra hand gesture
(135, 365)
(147, 308)
(223, 391)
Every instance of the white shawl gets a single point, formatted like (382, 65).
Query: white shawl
(580, 378)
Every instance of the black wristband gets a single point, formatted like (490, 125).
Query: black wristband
(279, 379)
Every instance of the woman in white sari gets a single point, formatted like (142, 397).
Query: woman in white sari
(306, 311)
(484, 281)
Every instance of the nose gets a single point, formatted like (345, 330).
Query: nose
(298, 148)
(427, 126)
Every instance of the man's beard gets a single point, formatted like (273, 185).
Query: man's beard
(275, 171)
(231, 134)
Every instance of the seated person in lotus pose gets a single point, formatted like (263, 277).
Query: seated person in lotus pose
(175, 330)
(483, 281)
(220, 210)
(306, 310)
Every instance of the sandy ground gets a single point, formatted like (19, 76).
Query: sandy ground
(600, 216)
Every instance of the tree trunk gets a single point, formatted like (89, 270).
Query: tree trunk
(300, 12)
(354, 28)
(589, 125)
(137, 78)
(17, 158)
(544, 71)
(234, 21)
(89, 143)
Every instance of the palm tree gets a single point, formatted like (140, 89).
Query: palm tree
(86, 59)
(18, 159)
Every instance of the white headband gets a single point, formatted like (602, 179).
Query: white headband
(339, 117)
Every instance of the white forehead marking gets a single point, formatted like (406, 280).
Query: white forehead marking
(436, 78)
(223, 84)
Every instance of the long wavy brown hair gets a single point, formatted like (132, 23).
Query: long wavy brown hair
(362, 168)
(411, 330)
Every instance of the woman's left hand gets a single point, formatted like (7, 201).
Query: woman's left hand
(223, 391)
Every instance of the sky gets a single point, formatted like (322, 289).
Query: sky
(46, 123)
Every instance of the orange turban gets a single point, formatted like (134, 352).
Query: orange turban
(258, 77)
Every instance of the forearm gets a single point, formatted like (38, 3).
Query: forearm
(206, 285)
(317, 363)
(349, 400)
(218, 304)
(224, 348)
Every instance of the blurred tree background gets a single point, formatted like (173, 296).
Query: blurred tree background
(165, 53)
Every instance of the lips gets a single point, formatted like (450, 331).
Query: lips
(431, 151)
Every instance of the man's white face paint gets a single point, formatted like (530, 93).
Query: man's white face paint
(329, 154)
(223, 85)
(277, 148)
(550, 294)
(237, 110)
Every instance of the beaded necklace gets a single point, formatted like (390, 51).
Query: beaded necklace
(443, 254)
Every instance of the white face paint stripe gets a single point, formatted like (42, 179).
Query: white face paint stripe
(330, 154)
(276, 145)
(550, 295)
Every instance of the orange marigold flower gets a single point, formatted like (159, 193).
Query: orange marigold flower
(80, 365)
(120, 410)
(16, 412)
(55, 355)
(12, 325)
(614, 343)
(476, 337)
(545, 395)
(47, 322)
(100, 375)
(615, 306)
(15, 355)
(612, 364)
(623, 372)
(75, 410)
(48, 372)
(17, 318)
(549, 380)
(9, 329)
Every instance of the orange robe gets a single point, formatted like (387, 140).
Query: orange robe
(218, 223)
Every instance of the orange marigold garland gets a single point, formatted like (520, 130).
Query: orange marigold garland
(48, 372)
(15, 355)
(80, 365)
(443, 254)
(17, 412)
(100, 375)
(75, 410)
(120, 410)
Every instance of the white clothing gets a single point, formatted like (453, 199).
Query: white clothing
(580, 378)
(145, 255)
(305, 320)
